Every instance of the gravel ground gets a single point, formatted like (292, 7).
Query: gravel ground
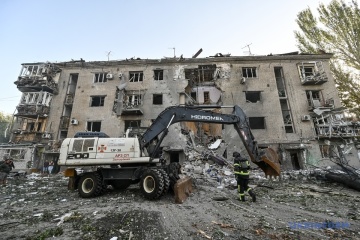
(41, 207)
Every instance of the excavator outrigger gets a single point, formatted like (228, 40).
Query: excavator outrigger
(121, 162)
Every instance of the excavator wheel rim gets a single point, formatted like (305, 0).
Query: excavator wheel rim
(156, 180)
(149, 180)
(87, 185)
(90, 185)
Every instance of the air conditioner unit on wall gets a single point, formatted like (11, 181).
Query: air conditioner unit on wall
(109, 76)
(74, 122)
(46, 135)
(305, 118)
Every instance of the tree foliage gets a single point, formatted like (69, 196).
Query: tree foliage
(5, 121)
(335, 30)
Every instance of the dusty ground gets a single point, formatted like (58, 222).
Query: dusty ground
(40, 207)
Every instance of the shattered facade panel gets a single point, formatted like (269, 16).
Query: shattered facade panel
(284, 96)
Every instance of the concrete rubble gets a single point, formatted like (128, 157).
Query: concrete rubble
(39, 206)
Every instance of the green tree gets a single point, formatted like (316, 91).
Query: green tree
(5, 121)
(336, 30)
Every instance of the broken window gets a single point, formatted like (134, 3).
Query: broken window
(158, 74)
(31, 70)
(41, 98)
(204, 73)
(132, 124)
(252, 96)
(312, 73)
(100, 77)
(157, 99)
(307, 71)
(193, 96)
(257, 122)
(63, 134)
(249, 72)
(314, 98)
(97, 101)
(280, 81)
(136, 76)
(132, 100)
(206, 97)
(94, 126)
(31, 125)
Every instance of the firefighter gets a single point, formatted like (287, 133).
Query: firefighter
(241, 170)
(5, 168)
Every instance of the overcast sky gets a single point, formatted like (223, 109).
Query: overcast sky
(57, 31)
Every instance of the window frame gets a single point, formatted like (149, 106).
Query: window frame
(158, 74)
(253, 72)
(158, 95)
(100, 77)
(247, 97)
(136, 76)
(101, 101)
(251, 124)
(92, 126)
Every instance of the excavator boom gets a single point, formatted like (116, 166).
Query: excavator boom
(267, 160)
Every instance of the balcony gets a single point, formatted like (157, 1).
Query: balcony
(334, 125)
(21, 136)
(38, 77)
(314, 79)
(320, 105)
(32, 111)
(312, 73)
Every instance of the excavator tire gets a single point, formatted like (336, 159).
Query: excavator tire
(166, 181)
(152, 184)
(90, 185)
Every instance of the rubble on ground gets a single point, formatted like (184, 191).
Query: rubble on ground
(39, 206)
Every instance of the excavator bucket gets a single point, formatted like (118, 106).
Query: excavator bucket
(270, 163)
(182, 189)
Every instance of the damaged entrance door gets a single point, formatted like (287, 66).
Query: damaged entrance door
(294, 156)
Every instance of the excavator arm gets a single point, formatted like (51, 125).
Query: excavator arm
(267, 160)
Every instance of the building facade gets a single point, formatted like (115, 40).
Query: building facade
(290, 100)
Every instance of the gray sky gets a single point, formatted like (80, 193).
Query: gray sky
(61, 30)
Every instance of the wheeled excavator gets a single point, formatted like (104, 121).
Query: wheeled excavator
(121, 162)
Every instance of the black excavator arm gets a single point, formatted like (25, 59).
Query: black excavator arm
(267, 160)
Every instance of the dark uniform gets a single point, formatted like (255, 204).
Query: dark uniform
(241, 170)
(5, 168)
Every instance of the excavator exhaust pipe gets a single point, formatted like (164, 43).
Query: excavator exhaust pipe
(182, 189)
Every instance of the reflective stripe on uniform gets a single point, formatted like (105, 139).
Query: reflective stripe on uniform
(242, 173)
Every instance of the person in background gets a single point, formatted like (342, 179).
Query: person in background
(241, 170)
(46, 167)
(5, 168)
(51, 166)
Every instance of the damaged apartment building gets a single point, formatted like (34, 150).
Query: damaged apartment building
(290, 101)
